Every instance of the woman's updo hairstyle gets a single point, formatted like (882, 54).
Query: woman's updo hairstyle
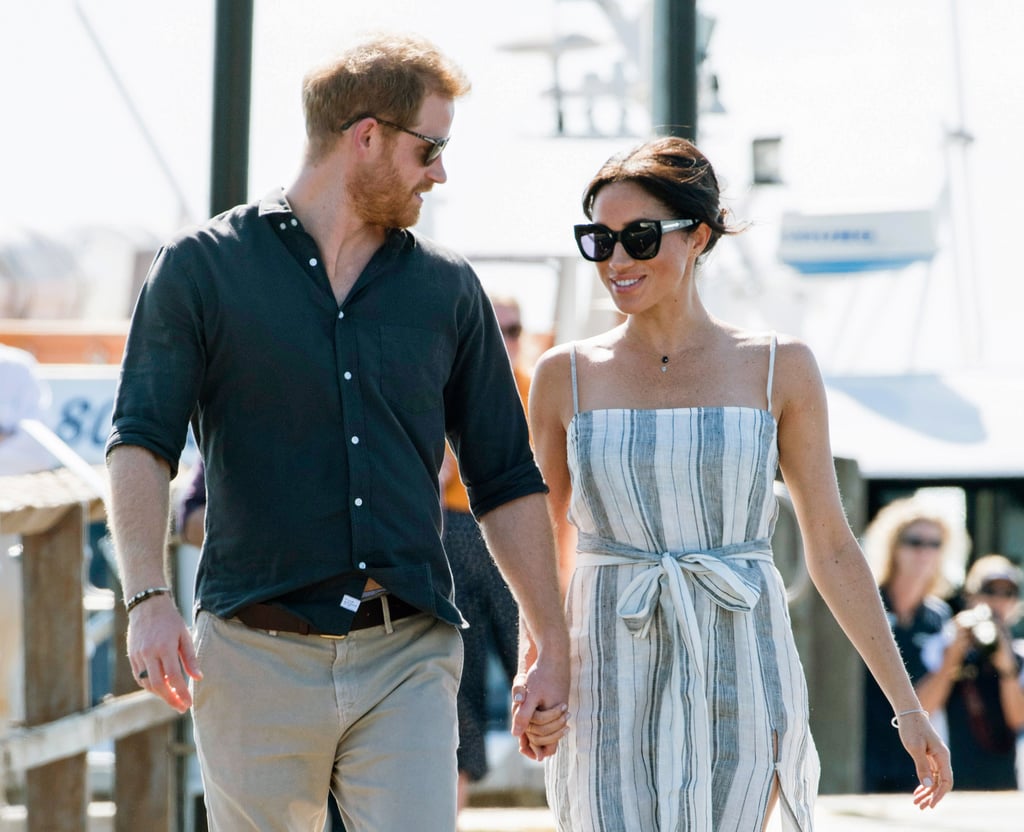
(673, 171)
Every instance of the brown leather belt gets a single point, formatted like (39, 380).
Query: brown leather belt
(369, 614)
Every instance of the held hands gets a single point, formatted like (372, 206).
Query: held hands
(931, 758)
(546, 729)
(537, 722)
(161, 653)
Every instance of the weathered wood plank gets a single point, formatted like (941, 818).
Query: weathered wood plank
(117, 717)
(145, 771)
(32, 503)
(49, 511)
(56, 679)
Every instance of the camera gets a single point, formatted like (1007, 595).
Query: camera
(983, 628)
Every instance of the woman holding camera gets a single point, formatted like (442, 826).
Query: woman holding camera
(978, 678)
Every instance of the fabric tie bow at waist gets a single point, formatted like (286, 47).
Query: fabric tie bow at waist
(664, 584)
(709, 569)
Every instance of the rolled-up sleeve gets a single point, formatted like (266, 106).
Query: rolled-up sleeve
(485, 421)
(162, 369)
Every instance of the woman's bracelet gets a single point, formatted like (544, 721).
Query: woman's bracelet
(896, 719)
(145, 594)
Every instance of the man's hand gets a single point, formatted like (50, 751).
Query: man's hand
(161, 653)
(539, 709)
(544, 732)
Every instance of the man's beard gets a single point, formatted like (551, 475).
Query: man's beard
(380, 198)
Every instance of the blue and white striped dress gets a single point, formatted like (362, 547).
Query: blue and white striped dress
(688, 697)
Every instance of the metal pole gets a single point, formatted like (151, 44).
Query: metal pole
(960, 209)
(675, 68)
(232, 82)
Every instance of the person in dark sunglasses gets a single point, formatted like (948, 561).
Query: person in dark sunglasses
(641, 239)
(978, 677)
(659, 441)
(326, 351)
(434, 145)
(910, 545)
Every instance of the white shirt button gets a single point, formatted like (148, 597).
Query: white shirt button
(355, 440)
(358, 501)
(348, 376)
(341, 315)
(283, 226)
(362, 564)
(312, 261)
(295, 222)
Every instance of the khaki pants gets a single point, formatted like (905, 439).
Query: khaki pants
(282, 719)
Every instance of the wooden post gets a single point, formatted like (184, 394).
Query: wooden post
(143, 770)
(56, 680)
(49, 510)
(836, 675)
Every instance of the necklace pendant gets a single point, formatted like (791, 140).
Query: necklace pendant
(664, 363)
(664, 369)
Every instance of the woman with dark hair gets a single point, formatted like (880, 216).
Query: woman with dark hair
(659, 441)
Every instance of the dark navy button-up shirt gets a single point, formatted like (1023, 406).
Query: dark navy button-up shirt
(322, 427)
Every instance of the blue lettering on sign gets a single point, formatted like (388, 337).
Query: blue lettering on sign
(845, 235)
(79, 419)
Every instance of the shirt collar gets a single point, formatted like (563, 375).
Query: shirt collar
(275, 205)
(275, 202)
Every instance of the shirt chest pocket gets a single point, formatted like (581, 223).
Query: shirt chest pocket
(414, 367)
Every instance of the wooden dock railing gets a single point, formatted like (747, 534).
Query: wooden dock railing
(50, 511)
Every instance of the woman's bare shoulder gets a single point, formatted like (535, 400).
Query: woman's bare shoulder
(795, 359)
(594, 349)
(788, 348)
(553, 360)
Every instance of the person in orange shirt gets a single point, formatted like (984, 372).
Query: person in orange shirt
(480, 591)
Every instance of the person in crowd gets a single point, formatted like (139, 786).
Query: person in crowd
(908, 544)
(326, 351)
(190, 519)
(977, 677)
(480, 591)
(23, 395)
(659, 441)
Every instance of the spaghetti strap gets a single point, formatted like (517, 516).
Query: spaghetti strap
(575, 389)
(771, 368)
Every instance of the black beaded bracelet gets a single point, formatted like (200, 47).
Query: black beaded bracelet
(139, 597)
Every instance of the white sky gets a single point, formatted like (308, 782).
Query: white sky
(861, 92)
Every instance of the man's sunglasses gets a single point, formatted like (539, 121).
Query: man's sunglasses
(640, 239)
(436, 145)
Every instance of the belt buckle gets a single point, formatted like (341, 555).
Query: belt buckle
(335, 638)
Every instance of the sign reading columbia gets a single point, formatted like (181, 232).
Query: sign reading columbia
(840, 243)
